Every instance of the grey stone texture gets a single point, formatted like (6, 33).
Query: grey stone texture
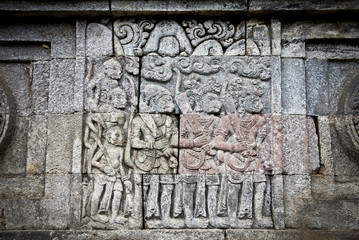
(140, 120)
(293, 86)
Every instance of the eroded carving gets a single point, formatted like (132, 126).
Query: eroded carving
(214, 37)
(111, 191)
(7, 116)
(131, 36)
(113, 86)
(200, 201)
(154, 142)
(207, 84)
(258, 38)
(229, 144)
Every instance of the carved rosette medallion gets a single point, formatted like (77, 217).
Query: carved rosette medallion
(348, 124)
(6, 114)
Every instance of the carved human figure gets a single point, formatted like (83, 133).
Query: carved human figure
(196, 154)
(154, 141)
(104, 90)
(105, 139)
(197, 96)
(158, 99)
(236, 142)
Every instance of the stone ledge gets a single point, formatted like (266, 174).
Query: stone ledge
(180, 234)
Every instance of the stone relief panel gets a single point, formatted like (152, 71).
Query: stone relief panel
(205, 84)
(258, 38)
(111, 192)
(111, 84)
(228, 144)
(119, 147)
(212, 201)
(169, 38)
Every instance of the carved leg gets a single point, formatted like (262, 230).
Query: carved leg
(212, 208)
(233, 193)
(95, 201)
(106, 199)
(116, 203)
(260, 220)
(188, 204)
(245, 208)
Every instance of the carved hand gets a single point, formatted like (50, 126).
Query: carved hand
(109, 171)
(200, 141)
(161, 144)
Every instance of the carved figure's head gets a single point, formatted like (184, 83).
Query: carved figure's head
(116, 136)
(158, 98)
(211, 103)
(118, 98)
(112, 69)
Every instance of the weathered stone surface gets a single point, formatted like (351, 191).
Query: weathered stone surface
(25, 51)
(301, 5)
(344, 145)
(276, 36)
(61, 87)
(300, 145)
(307, 207)
(112, 193)
(230, 144)
(258, 40)
(153, 7)
(98, 40)
(317, 87)
(13, 159)
(293, 86)
(253, 234)
(276, 84)
(111, 84)
(40, 87)
(62, 135)
(199, 201)
(295, 34)
(199, 84)
(325, 146)
(278, 211)
(61, 37)
(153, 234)
(55, 8)
(332, 49)
(16, 76)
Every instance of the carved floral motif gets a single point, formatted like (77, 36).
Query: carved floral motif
(6, 115)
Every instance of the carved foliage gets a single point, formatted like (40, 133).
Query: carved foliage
(168, 38)
(132, 35)
(229, 144)
(200, 201)
(111, 84)
(206, 84)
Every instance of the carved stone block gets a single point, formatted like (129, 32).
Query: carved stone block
(111, 191)
(229, 144)
(111, 84)
(212, 201)
(169, 38)
(205, 84)
(118, 148)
